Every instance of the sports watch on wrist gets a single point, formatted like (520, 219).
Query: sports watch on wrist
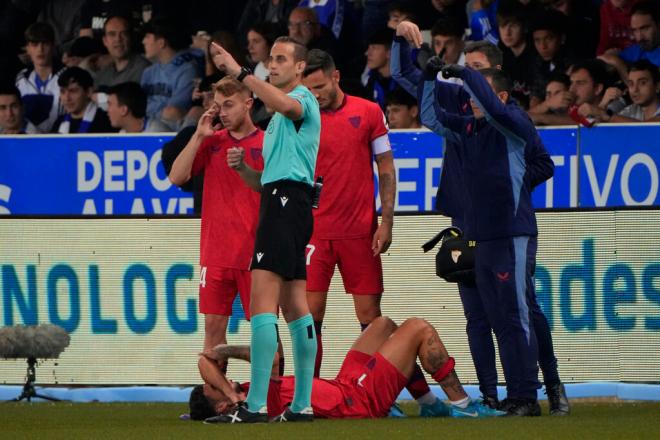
(245, 71)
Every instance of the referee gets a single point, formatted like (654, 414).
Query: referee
(285, 226)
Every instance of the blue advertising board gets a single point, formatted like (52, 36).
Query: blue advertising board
(607, 166)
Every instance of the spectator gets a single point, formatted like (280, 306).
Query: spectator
(482, 55)
(554, 109)
(82, 114)
(330, 13)
(260, 39)
(12, 120)
(304, 26)
(127, 107)
(447, 40)
(260, 11)
(84, 52)
(644, 23)
(643, 89)
(482, 20)
(615, 32)
(518, 54)
(126, 65)
(588, 81)
(398, 12)
(378, 79)
(581, 25)
(38, 83)
(169, 81)
(96, 13)
(402, 110)
(552, 55)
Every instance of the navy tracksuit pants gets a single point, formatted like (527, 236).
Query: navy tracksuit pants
(505, 300)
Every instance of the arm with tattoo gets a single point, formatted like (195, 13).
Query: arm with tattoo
(387, 190)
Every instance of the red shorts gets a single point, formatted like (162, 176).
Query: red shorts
(370, 382)
(218, 287)
(361, 272)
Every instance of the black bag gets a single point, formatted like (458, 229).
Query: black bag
(454, 261)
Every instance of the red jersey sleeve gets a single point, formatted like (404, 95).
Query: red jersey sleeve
(202, 156)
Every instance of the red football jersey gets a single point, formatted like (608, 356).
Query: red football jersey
(230, 209)
(330, 399)
(345, 160)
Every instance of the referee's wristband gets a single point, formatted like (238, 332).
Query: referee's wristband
(245, 71)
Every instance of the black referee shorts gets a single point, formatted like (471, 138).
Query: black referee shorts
(285, 227)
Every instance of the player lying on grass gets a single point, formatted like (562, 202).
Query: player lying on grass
(374, 371)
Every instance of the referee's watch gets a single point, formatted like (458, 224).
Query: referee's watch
(245, 71)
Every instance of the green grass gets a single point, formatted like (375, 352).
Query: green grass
(98, 421)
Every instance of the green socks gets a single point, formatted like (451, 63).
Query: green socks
(303, 340)
(262, 352)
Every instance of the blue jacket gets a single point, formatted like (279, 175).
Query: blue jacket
(502, 159)
(449, 200)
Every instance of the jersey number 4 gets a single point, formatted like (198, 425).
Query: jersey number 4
(202, 276)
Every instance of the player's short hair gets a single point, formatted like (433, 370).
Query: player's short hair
(299, 49)
(398, 96)
(75, 75)
(501, 81)
(132, 96)
(318, 59)
(448, 27)
(10, 89)
(640, 66)
(228, 86)
(199, 405)
(40, 32)
(491, 51)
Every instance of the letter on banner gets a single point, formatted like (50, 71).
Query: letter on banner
(88, 158)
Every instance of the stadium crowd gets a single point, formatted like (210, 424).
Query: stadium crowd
(75, 66)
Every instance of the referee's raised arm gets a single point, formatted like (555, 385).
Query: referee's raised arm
(273, 97)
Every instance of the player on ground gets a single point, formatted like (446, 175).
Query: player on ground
(285, 224)
(374, 372)
(346, 231)
(229, 208)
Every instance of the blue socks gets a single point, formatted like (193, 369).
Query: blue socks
(303, 339)
(262, 352)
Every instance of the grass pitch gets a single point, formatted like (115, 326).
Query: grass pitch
(160, 421)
